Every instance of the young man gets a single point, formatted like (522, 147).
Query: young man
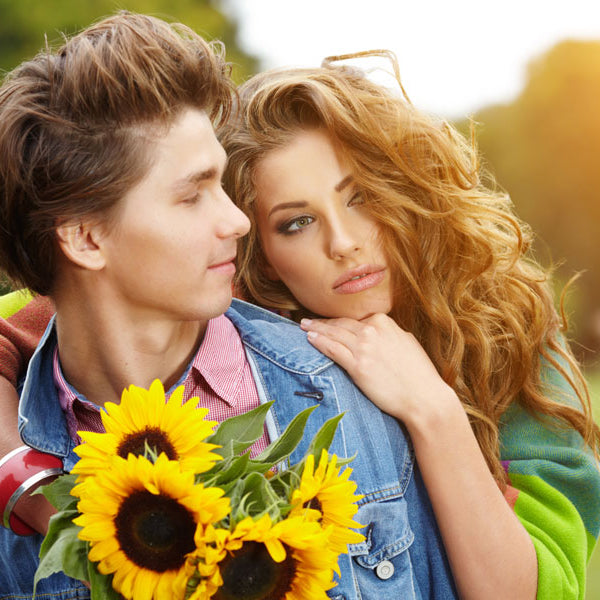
(111, 204)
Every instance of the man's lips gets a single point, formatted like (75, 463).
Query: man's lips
(359, 279)
(225, 264)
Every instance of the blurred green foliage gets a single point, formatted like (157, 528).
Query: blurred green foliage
(24, 23)
(5, 286)
(544, 149)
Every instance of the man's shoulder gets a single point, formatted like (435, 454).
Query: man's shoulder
(249, 311)
(276, 338)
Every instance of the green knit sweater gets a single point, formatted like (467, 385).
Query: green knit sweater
(554, 490)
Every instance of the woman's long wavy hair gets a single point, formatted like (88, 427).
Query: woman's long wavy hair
(464, 283)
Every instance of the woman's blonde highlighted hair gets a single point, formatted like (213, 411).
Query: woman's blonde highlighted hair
(464, 283)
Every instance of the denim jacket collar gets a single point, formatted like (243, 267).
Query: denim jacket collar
(39, 408)
(272, 337)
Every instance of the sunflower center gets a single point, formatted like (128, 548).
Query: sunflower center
(314, 503)
(251, 574)
(155, 532)
(155, 438)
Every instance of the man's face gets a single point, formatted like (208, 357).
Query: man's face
(171, 253)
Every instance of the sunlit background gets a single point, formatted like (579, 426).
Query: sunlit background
(456, 57)
(526, 71)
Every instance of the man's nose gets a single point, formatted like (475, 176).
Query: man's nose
(232, 221)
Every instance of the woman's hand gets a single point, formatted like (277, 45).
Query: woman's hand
(387, 363)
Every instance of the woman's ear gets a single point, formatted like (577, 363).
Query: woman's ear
(79, 243)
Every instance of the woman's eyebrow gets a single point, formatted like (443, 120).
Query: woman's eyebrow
(343, 183)
(284, 205)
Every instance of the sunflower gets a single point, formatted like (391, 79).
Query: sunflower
(141, 519)
(328, 495)
(288, 560)
(144, 419)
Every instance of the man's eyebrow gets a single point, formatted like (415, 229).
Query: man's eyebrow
(284, 205)
(343, 183)
(196, 178)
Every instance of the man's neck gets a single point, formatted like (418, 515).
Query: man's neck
(103, 349)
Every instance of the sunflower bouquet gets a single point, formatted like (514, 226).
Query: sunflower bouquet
(163, 506)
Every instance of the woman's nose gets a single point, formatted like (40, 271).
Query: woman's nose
(343, 241)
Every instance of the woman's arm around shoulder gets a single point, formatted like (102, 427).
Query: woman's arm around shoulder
(554, 490)
(23, 321)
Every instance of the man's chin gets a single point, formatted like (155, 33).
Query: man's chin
(215, 307)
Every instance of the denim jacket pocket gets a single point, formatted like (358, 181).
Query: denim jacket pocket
(382, 564)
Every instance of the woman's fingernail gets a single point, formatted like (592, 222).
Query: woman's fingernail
(311, 335)
(305, 322)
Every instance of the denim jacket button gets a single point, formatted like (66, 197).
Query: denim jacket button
(384, 570)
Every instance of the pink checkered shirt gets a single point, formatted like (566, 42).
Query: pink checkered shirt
(219, 375)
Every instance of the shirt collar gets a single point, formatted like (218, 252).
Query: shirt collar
(221, 359)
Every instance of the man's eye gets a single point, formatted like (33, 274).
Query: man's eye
(192, 199)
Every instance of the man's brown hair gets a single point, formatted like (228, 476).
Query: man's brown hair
(73, 125)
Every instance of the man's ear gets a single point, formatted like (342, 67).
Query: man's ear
(79, 242)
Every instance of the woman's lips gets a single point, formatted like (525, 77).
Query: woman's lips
(359, 279)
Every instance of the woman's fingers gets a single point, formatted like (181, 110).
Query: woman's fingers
(337, 351)
(354, 345)
(332, 329)
(351, 325)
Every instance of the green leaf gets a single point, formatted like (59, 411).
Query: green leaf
(287, 441)
(236, 494)
(324, 437)
(62, 550)
(235, 469)
(101, 585)
(238, 433)
(58, 492)
(286, 481)
(259, 497)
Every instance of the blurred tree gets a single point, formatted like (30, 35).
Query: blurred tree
(24, 24)
(5, 286)
(544, 149)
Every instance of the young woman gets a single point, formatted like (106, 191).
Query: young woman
(372, 214)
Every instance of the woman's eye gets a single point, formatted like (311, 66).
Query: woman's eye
(296, 224)
(356, 200)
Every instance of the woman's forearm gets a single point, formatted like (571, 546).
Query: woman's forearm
(34, 510)
(9, 407)
(491, 554)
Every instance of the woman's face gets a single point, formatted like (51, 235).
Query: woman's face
(315, 232)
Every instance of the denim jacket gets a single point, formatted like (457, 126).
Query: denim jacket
(402, 556)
